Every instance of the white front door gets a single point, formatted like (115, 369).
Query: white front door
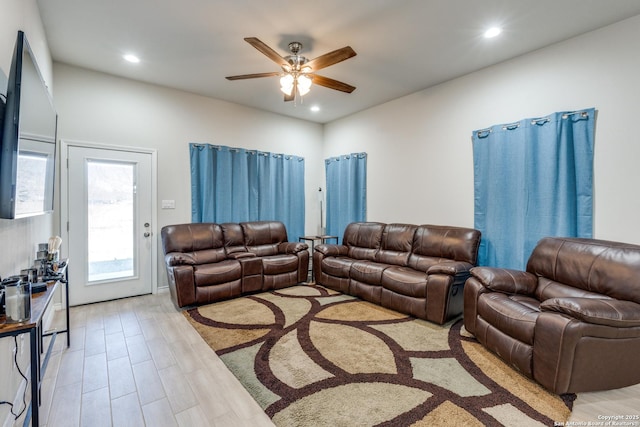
(109, 196)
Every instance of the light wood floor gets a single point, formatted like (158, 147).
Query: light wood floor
(137, 362)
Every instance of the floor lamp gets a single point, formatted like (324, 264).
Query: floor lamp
(321, 230)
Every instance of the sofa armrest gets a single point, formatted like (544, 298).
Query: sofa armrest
(181, 284)
(450, 267)
(505, 280)
(292, 247)
(179, 258)
(607, 312)
(332, 250)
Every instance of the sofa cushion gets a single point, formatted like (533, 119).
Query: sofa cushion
(422, 263)
(456, 243)
(214, 274)
(279, 264)
(602, 267)
(396, 244)
(367, 272)
(191, 244)
(337, 266)
(405, 281)
(513, 315)
(191, 237)
(263, 237)
(548, 288)
(233, 238)
(363, 239)
(195, 258)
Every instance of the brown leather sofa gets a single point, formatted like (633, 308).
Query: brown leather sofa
(571, 321)
(417, 270)
(208, 262)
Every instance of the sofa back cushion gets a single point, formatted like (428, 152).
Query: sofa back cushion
(454, 243)
(198, 243)
(233, 238)
(263, 237)
(396, 244)
(596, 266)
(548, 288)
(363, 239)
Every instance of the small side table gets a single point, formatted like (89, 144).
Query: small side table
(34, 327)
(313, 239)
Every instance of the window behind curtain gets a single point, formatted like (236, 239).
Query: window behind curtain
(234, 185)
(346, 191)
(532, 178)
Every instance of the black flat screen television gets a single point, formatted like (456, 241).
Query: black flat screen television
(28, 139)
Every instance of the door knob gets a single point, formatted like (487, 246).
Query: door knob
(147, 234)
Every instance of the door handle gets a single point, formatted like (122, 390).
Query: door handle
(147, 234)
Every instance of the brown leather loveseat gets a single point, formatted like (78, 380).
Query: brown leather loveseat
(208, 262)
(571, 321)
(417, 270)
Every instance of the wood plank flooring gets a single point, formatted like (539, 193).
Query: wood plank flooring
(137, 362)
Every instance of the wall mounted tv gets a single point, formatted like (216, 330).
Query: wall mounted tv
(28, 139)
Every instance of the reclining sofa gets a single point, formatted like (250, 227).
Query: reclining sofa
(208, 262)
(417, 270)
(571, 321)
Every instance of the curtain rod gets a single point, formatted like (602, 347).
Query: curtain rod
(250, 152)
(483, 133)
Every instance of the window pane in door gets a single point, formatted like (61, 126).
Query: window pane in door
(110, 201)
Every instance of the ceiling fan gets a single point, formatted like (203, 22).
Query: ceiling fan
(298, 72)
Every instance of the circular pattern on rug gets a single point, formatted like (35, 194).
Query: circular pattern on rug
(312, 357)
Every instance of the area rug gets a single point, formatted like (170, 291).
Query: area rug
(314, 357)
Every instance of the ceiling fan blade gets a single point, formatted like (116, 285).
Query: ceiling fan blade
(253, 76)
(267, 51)
(332, 84)
(331, 58)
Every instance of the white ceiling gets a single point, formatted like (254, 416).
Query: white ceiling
(402, 46)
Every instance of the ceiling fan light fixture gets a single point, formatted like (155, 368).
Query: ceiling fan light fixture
(304, 84)
(286, 84)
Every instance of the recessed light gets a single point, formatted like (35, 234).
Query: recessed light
(492, 32)
(314, 108)
(131, 58)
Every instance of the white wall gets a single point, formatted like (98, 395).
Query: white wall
(420, 164)
(18, 237)
(100, 108)
(22, 233)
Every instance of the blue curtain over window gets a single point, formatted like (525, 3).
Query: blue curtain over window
(532, 178)
(233, 185)
(346, 191)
